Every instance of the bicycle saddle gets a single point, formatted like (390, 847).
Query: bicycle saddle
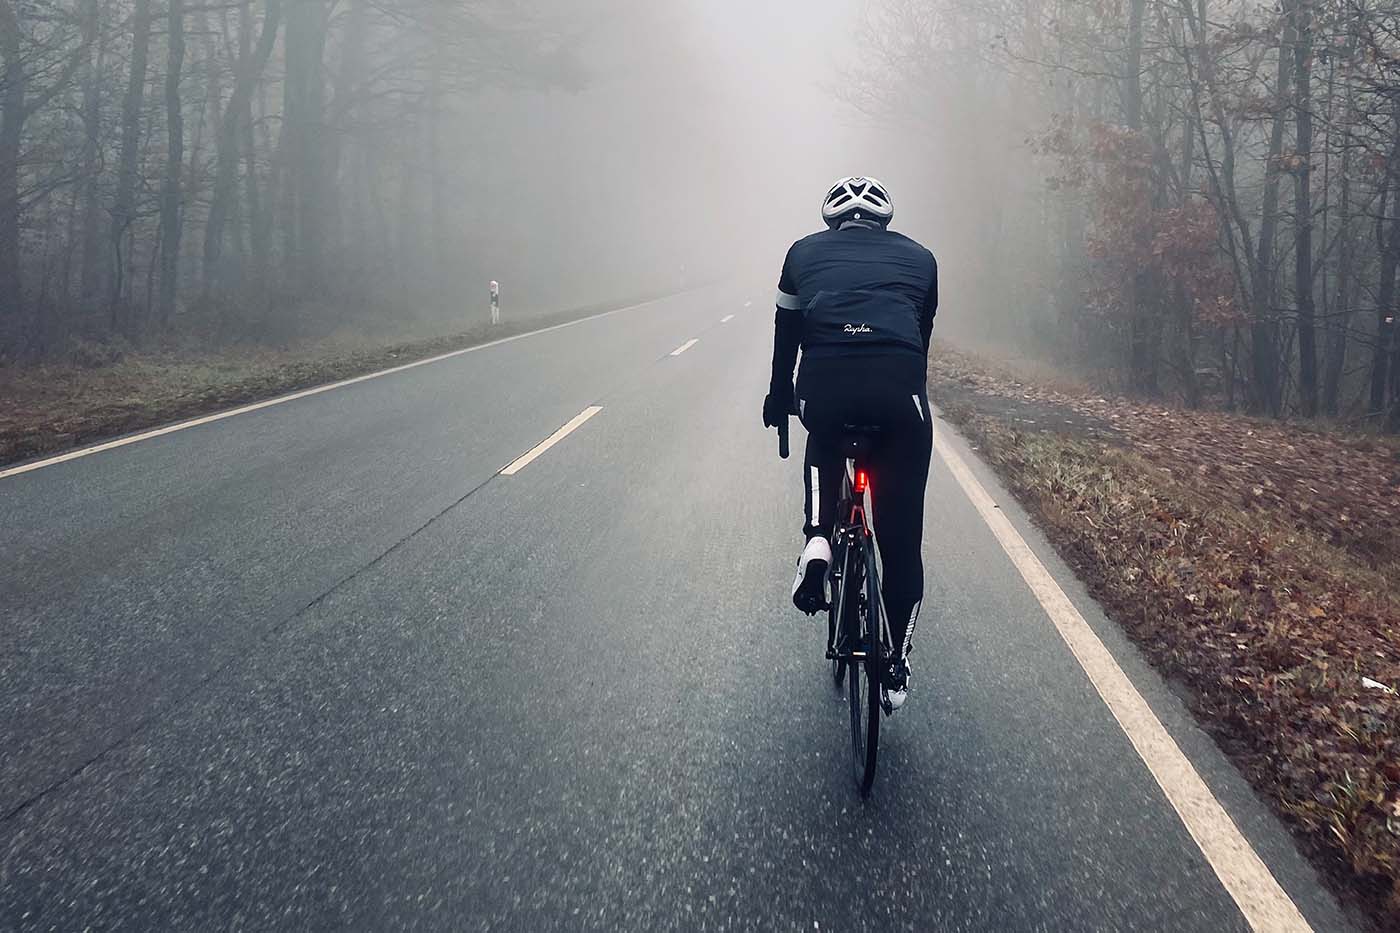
(856, 440)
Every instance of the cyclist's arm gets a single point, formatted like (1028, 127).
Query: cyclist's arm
(930, 306)
(787, 331)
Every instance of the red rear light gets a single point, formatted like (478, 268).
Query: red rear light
(862, 482)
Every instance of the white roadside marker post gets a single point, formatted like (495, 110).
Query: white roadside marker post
(495, 302)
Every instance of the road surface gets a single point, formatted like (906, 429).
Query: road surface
(323, 666)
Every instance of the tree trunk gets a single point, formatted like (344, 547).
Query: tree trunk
(1142, 352)
(1388, 238)
(259, 217)
(1336, 350)
(12, 118)
(124, 206)
(1300, 24)
(1339, 323)
(1264, 328)
(72, 234)
(304, 138)
(1190, 338)
(350, 114)
(232, 133)
(94, 257)
(170, 219)
(1385, 329)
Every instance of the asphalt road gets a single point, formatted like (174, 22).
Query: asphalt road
(320, 667)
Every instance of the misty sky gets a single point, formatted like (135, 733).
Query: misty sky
(707, 135)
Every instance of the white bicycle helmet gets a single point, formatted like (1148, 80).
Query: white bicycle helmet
(857, 199)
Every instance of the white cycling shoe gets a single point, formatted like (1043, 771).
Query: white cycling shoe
(809, 590)
(897, 685)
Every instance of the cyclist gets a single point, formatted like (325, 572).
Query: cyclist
(859, 300)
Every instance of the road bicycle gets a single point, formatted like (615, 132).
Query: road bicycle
(858, 636)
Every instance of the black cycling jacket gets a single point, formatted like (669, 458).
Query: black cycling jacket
(853, 292)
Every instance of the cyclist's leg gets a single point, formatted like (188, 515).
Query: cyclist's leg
(821, 486)
(822, 408)
(822, 477)
(899, 467)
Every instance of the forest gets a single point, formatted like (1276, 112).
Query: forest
(192, 167)
(1191, 199)
(1195, 199)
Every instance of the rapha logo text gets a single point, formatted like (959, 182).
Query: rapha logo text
(857, 329)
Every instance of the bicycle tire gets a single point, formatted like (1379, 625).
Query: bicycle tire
(874, 668)
(863, 692)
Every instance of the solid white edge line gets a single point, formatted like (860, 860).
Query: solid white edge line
(1264, 903)
(726, 319)
(315, 390)
(553, 439)
(685, 346)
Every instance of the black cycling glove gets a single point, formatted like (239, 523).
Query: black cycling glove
(777, 406)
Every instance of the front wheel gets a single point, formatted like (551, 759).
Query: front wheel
(865, 723)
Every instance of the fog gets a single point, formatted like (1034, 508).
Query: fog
(700, 147)
(268, 172)
(704, 139)
(1177, 203)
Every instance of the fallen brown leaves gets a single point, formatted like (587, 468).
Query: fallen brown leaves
(1345, 487)
(1256, 564)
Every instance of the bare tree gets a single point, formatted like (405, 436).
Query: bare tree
(171, 220)
(233, 130)
(22, 101)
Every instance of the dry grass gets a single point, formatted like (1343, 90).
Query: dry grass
(47, 409)
(1255, 564)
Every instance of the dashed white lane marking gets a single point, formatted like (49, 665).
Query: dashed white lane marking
(726, 319)
(685, 346)
(748, 304)
(1264, 903)
(257, 406)
(553, 439)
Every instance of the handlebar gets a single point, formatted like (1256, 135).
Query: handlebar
(783, 439)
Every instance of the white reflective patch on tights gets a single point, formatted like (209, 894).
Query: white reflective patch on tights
(909, 629)
(816, 486)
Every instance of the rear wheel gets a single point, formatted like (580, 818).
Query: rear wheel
(860, 618)
(874, 669)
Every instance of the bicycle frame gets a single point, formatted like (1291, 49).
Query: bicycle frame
(852, 538)
(858, 633)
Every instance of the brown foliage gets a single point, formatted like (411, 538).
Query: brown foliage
(1254, 564)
